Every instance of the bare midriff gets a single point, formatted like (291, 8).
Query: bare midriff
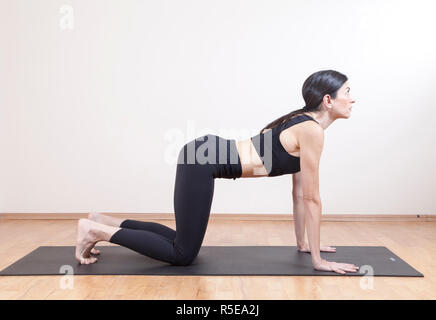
(252, 166)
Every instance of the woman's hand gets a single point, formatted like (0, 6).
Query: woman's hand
(305, 248)
(341, 268)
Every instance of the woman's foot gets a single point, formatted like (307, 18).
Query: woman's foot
(104, 219)
(95, 251)
(88, 234)
(86, 239)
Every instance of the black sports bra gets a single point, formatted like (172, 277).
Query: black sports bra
(275, 158)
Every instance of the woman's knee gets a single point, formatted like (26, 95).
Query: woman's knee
(184, 259)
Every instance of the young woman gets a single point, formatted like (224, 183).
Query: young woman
(291, 144)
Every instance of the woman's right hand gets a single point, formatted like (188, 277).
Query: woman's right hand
(341, 268)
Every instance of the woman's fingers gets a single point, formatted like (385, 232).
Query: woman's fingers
(335, 267)
(321, 248)
(327, 249)
(349, 269)
(352, 266)
(338, 270)
(346, 267)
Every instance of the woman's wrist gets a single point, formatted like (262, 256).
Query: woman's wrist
(301, 244)
(316, 262)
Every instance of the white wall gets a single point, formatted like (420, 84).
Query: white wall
(92, 118)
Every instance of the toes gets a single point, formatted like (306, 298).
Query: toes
(84, 260)
(91, 215)
(89, 260)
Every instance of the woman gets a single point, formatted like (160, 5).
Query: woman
(291, 144)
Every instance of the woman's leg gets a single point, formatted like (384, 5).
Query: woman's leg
(149, 226)
(132, 224)
(193, 193)
(89, 233)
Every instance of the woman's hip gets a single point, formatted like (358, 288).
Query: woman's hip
(213, 154)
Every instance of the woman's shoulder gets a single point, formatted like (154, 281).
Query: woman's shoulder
(310, 133)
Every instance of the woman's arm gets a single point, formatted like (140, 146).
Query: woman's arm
(298, 210)
(311, 141)
(299, 220)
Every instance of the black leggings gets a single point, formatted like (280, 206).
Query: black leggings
(199, 163)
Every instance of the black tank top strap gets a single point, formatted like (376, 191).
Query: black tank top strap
(297, 119)
(311, 118)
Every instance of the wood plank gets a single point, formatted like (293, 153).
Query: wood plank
(223, 216)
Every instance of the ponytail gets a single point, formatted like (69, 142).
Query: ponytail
(285, 118)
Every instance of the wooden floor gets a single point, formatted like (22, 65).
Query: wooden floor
(415, 242)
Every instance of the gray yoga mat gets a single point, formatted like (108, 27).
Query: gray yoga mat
(212, 260)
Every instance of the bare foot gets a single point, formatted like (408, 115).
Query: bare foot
(105, 219)
(86, 239)
(95, 216)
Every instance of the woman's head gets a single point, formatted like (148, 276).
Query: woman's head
(320, 84)
(325, 90)
(328, 90)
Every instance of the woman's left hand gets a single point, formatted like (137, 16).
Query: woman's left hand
(306, 248)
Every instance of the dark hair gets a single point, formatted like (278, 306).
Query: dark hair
(314, 89)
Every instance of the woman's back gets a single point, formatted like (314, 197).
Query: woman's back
(281, 146)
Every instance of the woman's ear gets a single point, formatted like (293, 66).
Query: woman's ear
(327, 100)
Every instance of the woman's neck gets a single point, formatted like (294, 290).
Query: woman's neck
(323, 119)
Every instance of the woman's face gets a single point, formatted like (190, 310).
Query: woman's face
(342, 105)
